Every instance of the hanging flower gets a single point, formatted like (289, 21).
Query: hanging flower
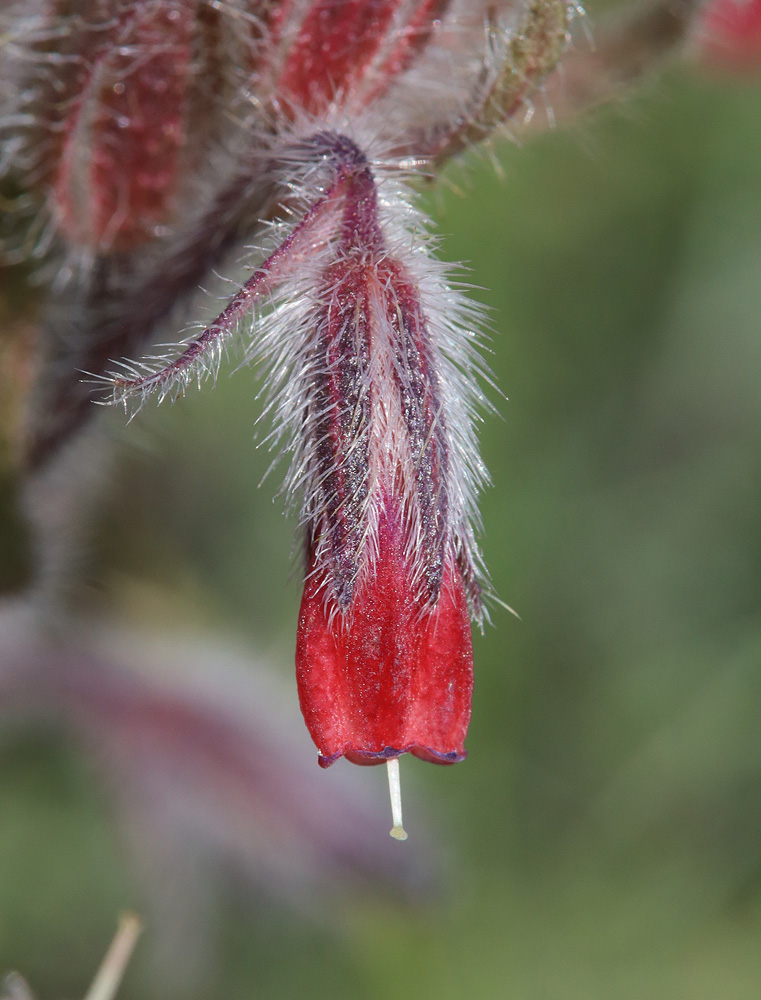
(160, 135)
(371, 363)
(384, 656)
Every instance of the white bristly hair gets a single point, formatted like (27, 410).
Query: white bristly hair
(284, 341)
(277, 324)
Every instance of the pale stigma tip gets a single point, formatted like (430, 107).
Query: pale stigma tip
(395, 788)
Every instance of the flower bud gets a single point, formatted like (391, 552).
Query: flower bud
(384, 656)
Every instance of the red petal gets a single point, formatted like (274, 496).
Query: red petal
(391, 676)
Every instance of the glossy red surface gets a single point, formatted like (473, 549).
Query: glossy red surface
(390, 676)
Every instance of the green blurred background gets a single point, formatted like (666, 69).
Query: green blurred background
(603, 839)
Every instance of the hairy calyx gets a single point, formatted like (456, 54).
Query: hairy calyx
(368, 387)
(384, 658)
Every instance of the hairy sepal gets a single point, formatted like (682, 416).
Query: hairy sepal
(378, 415)
(394, 294)
(369, 354)
(277, 316)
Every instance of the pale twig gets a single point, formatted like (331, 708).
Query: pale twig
(109, 976)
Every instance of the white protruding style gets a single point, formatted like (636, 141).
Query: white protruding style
(395, 788)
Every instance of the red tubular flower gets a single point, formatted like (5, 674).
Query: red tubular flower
(370, 373)
(384, 658)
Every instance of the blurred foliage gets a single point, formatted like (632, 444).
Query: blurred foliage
(16, 366)
(604, 832)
